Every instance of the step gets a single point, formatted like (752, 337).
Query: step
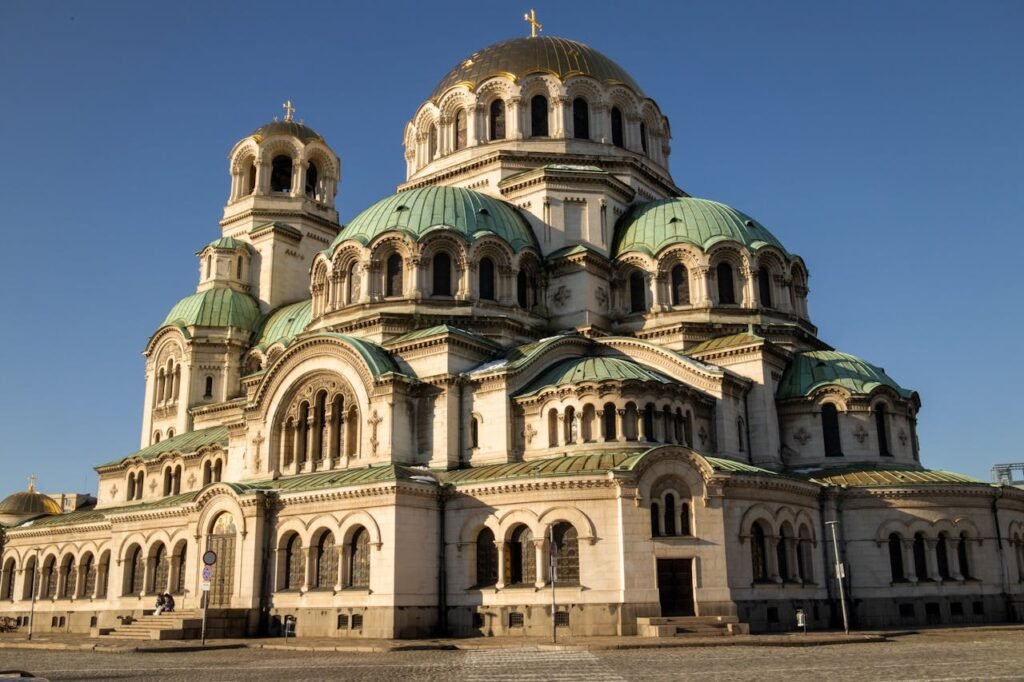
(692, 626)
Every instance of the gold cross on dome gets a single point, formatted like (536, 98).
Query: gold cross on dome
(535, 25)
(32, 483)
(288, 110)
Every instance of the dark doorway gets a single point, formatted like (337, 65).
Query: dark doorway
(675, 587)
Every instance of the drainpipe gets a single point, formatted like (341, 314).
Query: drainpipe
(462, 438)
(442, 573)
(746, 426)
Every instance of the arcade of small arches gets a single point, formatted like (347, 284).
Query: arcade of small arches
(277, 167)
(536, 107)
(684, 277)
(168, 385)
(439, 267)
(521, 557)
(319, 428)
(883, 407)
(328, 561)
(940, 553)
(617, 421)
(670, 509)
(781, 548)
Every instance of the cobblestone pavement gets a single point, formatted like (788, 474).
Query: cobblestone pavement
(932, 656)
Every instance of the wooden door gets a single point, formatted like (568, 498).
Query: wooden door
(675, 587)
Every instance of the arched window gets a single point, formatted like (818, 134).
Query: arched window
(168, 481)
(539, 116)
(608, 421)
(179, 584)
(496, 120)
(156, 437)
(896, 558)
(764, 287)
(942, 556)
(251, 178)
(352, 284)
(218, 469)
(474, 433)
(920, 560)
(567, 554)
(670, 514)
(486, 559)
(882, 431)
(552, 427)
(326, 562)
(352, 432)
(688, 429)
(522, 287)
(741, 434)
(830, 430)
(359, 559)
(804, 562)
(103, 575)
(311, 180)
(680, 285)
(7, 586)
(208, 393)
(637, 292)
(281, 174)
(69, 576)
(131, 487)
(580, 119)
(726, 285)
(569, 425)
(782, 555)
(460, 129)
(617, 138)
(88, 571)
(139, 489)
(207, 473)
(50, 578)
(643, 136)
(758, 552)
(521, 559)
(294, 568)
(170, 433)
(486, 274)
(684, 519)
(961, 554)
(161, 570)
(136, 572)
(442, 273)
(29, 586)
(238, 268)
(393, 283)
(655, 520)
(432, 142)
(648, 418)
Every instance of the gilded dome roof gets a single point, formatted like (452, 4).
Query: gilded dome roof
(220, 307)
(417, 212)
(651, 227)
(28, 503)
(521, 57)
(813, 369)
(299, 130)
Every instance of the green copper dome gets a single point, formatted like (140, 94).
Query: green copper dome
(417, 212)
(220, 307)
(651, 227)
(591, 370)
(285, 323)
(521, 57)
(303, 132)
(814, 369)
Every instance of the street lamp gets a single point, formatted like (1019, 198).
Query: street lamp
(35, 588)
(840, 574)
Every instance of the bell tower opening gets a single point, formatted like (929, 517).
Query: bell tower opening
(281, 174)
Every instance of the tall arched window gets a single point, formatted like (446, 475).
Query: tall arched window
(569, 425)
(637, 292)
(441, 268)
(648, 419)
(920, 558)
(88, 570)
(209, 267)
(208, 392)
(281, 174)
(496, 120)
(393, 282)
(580, 119)
(758, 552)
(179, 585)
(680, 283)
(726, 285)
(539, 116)
(830, 430)
(432, 142)
(521, 560)
(139, 488)
(741, 434)
(643, 136)
(617, 138)
(552, 427)
(474, 432)
(688, 429)
(486, 559)
(961, 554)
(326, 562)
(567, 554)
(50, 578)
(670, 514)
(764, 287)
(161, 570)
(294, 567)
(352, 283)
(7, 586)
(311, 180)
(207, 473)
(251, 178)
(896, 558)
(485, 271)
(522, 287)
(359, 559)
(69, 576)
(608, 421)
(136, 571)
(460, 129)
(882, 430)
(131, 487)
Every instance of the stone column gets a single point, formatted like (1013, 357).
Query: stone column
(513, 119)
(770, 542)
(953, 557)
(562, 111)
(307, 572)
(600, 130)
(791, 559)
(262, 178)
(329, 428)
(310, 438)
(751, 293)
(703, 285)
(909, 565)
(539, 555)
(620, 432)
(296, 429)
(364, 282)
(298, 178)
(501, 547)
(641, 427)
(560, 430)
(932, 559)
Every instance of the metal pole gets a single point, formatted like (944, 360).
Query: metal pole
(205, 597)
(840, 574)
(551, 572)
(35, 588)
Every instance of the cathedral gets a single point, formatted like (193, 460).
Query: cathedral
(538, 386)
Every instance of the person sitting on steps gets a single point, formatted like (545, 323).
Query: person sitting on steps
(168, 602)
(161, 605)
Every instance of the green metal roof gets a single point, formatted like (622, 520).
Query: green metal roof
(284, 323)
(439, 330)
(220, 307)
(378, 359)
(892, 475)
(299, 130)
(183, 443)
(226, 243)
(521, 57)
(417, 212)
(85, 516)
(592, 370)
(572, 465)
(731, 341)
(649, 228)
(338, 479)
(812, 369)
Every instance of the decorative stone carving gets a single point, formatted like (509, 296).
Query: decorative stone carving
(903, 437)
(802, 436)
(374, 421)
(702, 434)
(860, 433)
(562, 296)
(528, 433)
(602, 298)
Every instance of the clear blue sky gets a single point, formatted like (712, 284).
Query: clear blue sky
(882, 141)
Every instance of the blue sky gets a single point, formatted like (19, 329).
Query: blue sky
(882, 141)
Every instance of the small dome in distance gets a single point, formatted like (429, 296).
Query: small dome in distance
(28, 504)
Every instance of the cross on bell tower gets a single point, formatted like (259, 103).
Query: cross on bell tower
(288, 110)
(535, 25)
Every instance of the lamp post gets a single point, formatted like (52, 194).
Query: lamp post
(35, 588)
(840, 574)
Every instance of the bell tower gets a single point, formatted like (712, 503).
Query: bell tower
(284, 179)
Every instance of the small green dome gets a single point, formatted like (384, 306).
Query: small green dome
(219, 307)
(651, 227)
(813, 369)
(418, 212)
(303, 132)
(229, 243)
(591, 370)
(285, 323)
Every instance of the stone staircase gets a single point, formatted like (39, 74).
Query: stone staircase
(185, 624)
(691, 626)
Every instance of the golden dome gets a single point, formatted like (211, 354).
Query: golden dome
(29, 503)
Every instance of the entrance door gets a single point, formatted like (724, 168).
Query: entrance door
(222, 541)
(675, 587)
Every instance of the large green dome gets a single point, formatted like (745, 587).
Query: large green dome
(651, 227)
(521, 57)
(417, 212)
(811, 370)
(219, 307)
(592, 370)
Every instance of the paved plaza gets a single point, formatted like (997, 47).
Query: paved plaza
(937, 655)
